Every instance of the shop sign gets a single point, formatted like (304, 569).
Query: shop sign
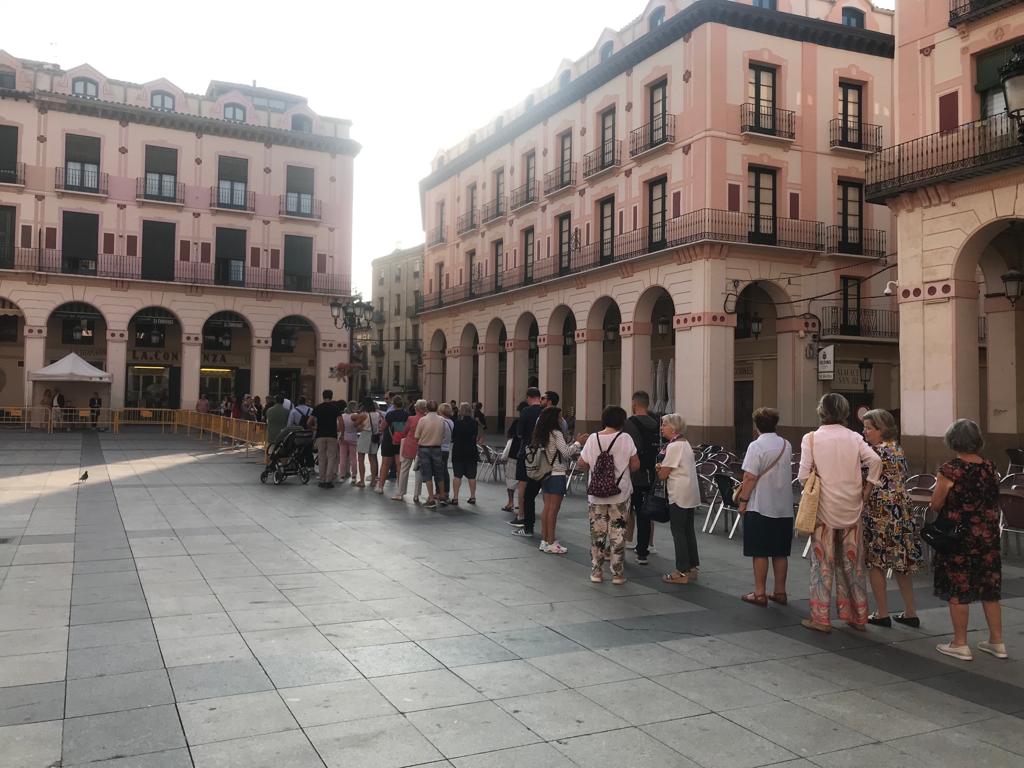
(154, 356)
(225, 358)
(848, 378)
(743, 370)
(827, 363)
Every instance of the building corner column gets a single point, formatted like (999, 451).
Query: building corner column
(259, 382)
(117, 362)
(35, 357)
(191, 362)
(589, 356)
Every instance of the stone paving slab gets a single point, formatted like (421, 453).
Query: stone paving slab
(173, 612)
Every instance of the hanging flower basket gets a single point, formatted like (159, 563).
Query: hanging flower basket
(343, 370)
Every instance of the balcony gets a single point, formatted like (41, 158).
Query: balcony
(602, 159)
(865, 323)
(869, 243)
(656, 133)
(26, 259)
(158, 190)
(413, 346)
(974, 149)
(225, 199)
(493, 209)
(963, 11)
(14, 175)
(410, 310)
(523, 196)
(299, 205)
(85, 180)
(467, 222)
(766, 120)
(850, 134)
(377, 349)
(561, 178)
(378, 317)
(437, 235)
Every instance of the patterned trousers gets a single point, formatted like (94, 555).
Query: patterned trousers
(608, 532)
(836, 555)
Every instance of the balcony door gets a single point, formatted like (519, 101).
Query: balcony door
(606, 233)
(528, 255)
(82, 163)
(761, 205)
(9, 154)
(851, 217)
(232, 182)
(656, 198)
(472, 268)
(80, 243)
(438, 278)
(158, 251)
(497, 250)
(849, 322)
(608, 137)
(229, 267)
(7, 236)
(850, 96)
(761, 95)
(470, 207)
(161, 181)
(564, 244)
(499, 192)
(658, 111)
(298, 263)
(298, 198)
(565, 159)
(530, 168)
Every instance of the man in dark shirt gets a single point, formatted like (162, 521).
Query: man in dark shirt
(528, 489)
(324, 420)
(645, 431)
(478, 414)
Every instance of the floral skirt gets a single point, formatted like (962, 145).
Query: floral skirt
(892, 539)
(969, 578)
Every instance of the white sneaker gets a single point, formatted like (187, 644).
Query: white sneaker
(996, 649)
(631, 545)
(543, 546)
(652, 550)
(962, 652)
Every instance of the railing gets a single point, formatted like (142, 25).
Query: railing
(56, 261)
(232, 200)
(601, 159)
(850, 134)
(523, 196)
(300, 205)
(493, 209)
(378, 317)
(410, 310)
(413, 346)
(855, 242)
(377, 349)
(81, 180)
(29, 259)
(868, 323)
(767, 120)
(437, 235)
(562, 177)
(961, 11)
(467, 222)
(661, 130)
(159, 191)
(973, 149)
(15, 175)
(122, 267)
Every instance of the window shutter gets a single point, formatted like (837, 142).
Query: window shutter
(254, 256)
(321, 262)
(51, 237)
(204, 253)
(676, 203)
(794, 205)
(734, 197)
(184, 249)
(949, 111)
(108, 242)
(634, 217)
(447, 280)
(26, 235)
(132, 245)
(275, 258)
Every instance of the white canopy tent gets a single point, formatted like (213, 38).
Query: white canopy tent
(75, 378)
(71, 368)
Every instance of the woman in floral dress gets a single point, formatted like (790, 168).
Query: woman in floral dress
(967, 492)
(891, 537)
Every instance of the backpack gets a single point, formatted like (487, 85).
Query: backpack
(304, 418)
(647, 448)
(603, 482)
(538, 463)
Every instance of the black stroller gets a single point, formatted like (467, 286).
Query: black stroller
(289, 455)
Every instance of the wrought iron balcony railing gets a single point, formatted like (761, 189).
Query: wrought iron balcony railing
(867, 323)
(609, 155)
(160, 190)
(437, 235)
(855, 242)
(851, 134)
(522, 196)
(377, 349)
(661, 130)
(962, 11)
(972, 149)
(562, 177)
(233, 199)
(13, 175)
(493, 209)
(86, 179)
(300, 205)
(768, 120)
(413, 346)
(467, 222)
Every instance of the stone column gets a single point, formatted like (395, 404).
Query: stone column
(798, 389)
(1005, 362)
(330, 352)
(459, 376)
(433, 375)
(636, 361)
(549, 362)
(488, 384)
(259, 381)
(704, 375)
(517, 373)
(191, 361)
(35, 358)
(117, 361)
(589, 363)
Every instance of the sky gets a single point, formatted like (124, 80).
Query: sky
(413, 77)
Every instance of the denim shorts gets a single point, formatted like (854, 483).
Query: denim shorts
(554, 484)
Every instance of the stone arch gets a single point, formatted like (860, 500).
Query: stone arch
(438, 341)
(494, 331)
(466, 338)
(557, 318)
(558, 357)
(652, 362)
(524, 324)
(597, 312)
(989, 246)
(294, 341)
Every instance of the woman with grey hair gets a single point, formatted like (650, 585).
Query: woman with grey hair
(677, 468)
(465, 436)
(966, 497)
(891, 538)
(837, 455)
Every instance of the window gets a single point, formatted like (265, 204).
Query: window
(761, 95)
(850, 319)
(398, 274)
(298, 198)
(396, 337)
(9, 155)
(9, 328)
(158, 238)
(161, 100)
(475, 271)
(80, 238)
(229, 258)
(234, 112)
(85, 86)
(657, 110)
(608, 137)
(497, 251)
(396, 375)
(528, 254)
(232, 182)
(82, 163)
(499, 191)
(298, 263)
(606, 232)
(761, 204)
(564, 78)
(161, 181)
(850, 214)
(850, 97)
(767, 4)
(606, 51)
(79, 331)
(657, 192)
(7, 79)
(398, 304)
(471, 204)
(302, 124)
(656, 19)
(530, 169)
(563, 225)
(274, 105)
(565, 159)
(987, 84)
(853, 17)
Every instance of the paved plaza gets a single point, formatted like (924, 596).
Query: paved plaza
(170, 611)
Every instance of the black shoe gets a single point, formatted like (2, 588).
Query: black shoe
(880, 621)
(516, 523)
(321, 485)
(641, 559)
(910, 621)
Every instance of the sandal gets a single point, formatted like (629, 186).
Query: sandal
(779, 597)
(823, 628)
(675, 578)
(753, 599)
(506, 508)
(360, 484)
(471, 500)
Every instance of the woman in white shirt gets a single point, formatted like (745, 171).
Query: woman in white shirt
(837, 455)
(548, 434)
(678, 468)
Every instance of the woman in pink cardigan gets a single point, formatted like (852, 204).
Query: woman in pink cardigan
(837, 454)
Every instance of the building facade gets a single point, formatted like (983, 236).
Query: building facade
(182, 242)
(682, 211)
(394, 342)
(953, 179)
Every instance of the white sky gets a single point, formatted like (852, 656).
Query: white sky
(413, 77)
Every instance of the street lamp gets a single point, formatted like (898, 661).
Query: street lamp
(756, 324)
(1013, 283)
(663, 325)
(865, 367)
(1011, 75)
(353, 312)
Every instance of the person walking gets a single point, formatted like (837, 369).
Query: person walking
(465, 436)
(445, 412)
(528, 489)
(548, 437)
(837, 455)
(409, 450)
(677, 467)
(610, 459)
(644, 430)
(324, 421)
(391, 440)
(429, 437)
(369, 440)
(203, 404)
(891, 538)
(257, 409)
(765, 500)
(966, 496)
(348, 439)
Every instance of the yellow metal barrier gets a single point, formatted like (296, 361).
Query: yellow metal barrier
(240, 431)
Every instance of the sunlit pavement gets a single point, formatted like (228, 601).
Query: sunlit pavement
(172, 611)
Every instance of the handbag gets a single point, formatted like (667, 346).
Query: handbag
(943, 535)
(807, 512)
(656, 503)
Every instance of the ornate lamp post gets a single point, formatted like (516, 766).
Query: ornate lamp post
(865, 367)
(354, 314)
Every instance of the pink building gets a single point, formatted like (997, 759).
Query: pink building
(680, 211)
(183, 242)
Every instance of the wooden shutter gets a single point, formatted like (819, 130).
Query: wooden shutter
(184, 249)
(204, 252)
(132, 245)
(794, 205)
(26, 235)
(254, 256)
(51, 238)
(108, 242)
(634, 217)
(321, 262)
(734, 197)
(676, 204)
(949, 111)
(275, 258)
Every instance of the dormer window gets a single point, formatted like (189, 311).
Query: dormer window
(302, 124)
(656, 19)
(853, 17)
(161, 100)
(234, 113)
(85, 86)
(606, 51)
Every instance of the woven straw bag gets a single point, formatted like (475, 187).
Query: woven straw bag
(807, 512)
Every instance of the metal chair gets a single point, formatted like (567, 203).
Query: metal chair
(708, 497)
(707, 468)
(1016, 463)
(492, 462)
(1011, 518)
(727, 486)
(1009, 481)
(922, 482)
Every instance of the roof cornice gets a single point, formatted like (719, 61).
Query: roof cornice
(731, 14)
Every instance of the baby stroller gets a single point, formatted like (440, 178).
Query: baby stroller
(289, 455)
